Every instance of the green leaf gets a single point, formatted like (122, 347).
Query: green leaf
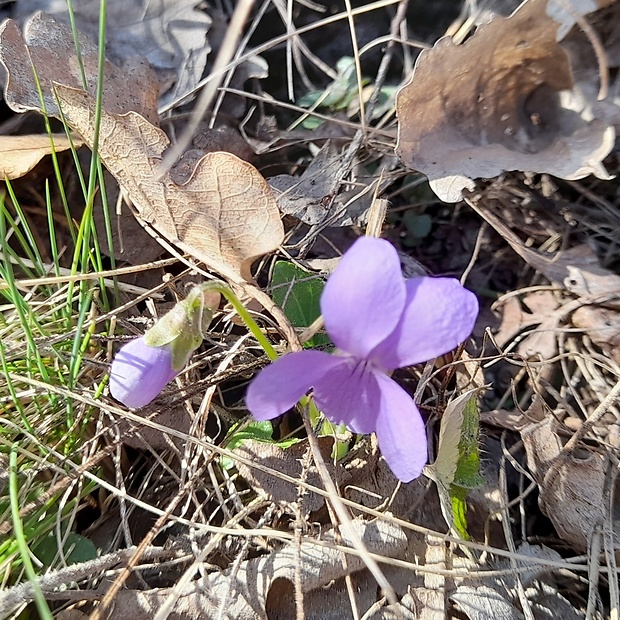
(386, 101)
(312, 122)
(458, 495)
(309, 99)
(418, 225)
(77, 549)
(338, 93)
(325, 428)
(258, 431)
(457, 467)
(298, 292)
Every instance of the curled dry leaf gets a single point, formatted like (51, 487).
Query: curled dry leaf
(170, 34)
(20, 154)
(493, 104)
(572, 490)
(566, 12)
(315, 196)
(49, 47)
(597, 83)
(224, 214)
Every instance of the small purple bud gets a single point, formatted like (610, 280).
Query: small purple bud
(139, 373)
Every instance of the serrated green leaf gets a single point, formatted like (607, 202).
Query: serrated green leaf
(467, 473)
(458, 495)
(458, 457)
(298, 292)
(456, 468)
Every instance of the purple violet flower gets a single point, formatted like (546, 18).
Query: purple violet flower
(142, 368)
(140, 372)
(379, 321)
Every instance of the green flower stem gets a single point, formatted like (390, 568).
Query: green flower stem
(313, 412)
(246, 317)
(307, 403)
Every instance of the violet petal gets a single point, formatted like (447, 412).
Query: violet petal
(439, 314)
(364, 297)
(280, 385)
(400, 430)
(139, 373)
(349, 394)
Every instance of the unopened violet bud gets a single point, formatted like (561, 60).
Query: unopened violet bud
(142, 368)
(140, 372)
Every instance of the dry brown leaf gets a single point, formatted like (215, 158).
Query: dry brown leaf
(499, 598)
(315, 196)
(49, 46)
(335, 602)
(492, 104)
(602, 325)
(224, 214)
(572, 491)
(482, 602)
(290, 461)
(20, 154)
(170, 34)
(432, 595)
(245, 593)
(577, 269)
(131, 242)
(546, 315)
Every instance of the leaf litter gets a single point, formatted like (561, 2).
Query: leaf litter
(171, 35)
(481, 119)
(260, 531)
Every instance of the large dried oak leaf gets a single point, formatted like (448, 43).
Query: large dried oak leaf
(493, 104)
(223, 213)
